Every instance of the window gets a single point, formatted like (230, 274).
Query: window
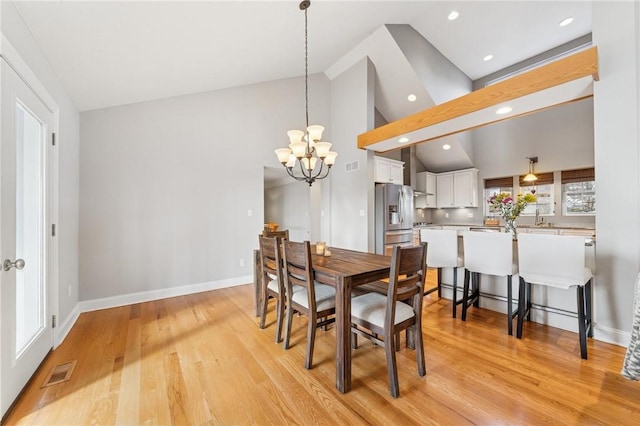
(493, 187)
(543, 190)
(578, 192)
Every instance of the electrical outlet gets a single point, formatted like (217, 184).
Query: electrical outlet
(446, 215)
(249, 212)
(469, 214)
(361, 212)
(242, 262)
(69, 291)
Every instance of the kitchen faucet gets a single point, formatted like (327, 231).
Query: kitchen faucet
(539, 220)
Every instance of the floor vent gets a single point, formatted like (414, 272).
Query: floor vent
(352, 166)
(59, 373)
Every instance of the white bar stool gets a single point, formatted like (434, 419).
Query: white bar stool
(489, 253)
(555, 261)
(443, 253)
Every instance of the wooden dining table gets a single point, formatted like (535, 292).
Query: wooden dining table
(345, 270)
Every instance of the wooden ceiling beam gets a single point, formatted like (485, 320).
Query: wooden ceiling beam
(576, 66)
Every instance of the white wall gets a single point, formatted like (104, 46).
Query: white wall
(166, 186)
(16, 32)
(616, 32)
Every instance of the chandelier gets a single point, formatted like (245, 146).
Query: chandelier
(306, 152)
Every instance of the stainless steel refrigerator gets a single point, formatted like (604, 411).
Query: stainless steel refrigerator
(394, 216)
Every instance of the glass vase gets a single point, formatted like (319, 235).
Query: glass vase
(510, 226)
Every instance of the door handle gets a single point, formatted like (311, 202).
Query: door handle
(18, 264)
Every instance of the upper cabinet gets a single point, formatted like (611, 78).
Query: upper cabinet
(457, 189)
(386, 170)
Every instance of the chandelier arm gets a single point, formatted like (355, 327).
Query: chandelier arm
(319, 170)
(326, 173)
(290, 173)
(305, 173)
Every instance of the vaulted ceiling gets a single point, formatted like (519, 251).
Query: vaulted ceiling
(110, 53)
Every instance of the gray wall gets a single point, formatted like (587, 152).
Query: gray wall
(16, 32)
(166, 186)
(351, 192)
(288, 206)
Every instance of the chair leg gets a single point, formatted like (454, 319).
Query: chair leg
(476, 290)
(582, 332)
(311, 340)
(419, 344)
(287, 327)
(589, 308)
(465, 293)
(354, 340)
(521, 307)
(389, 350)
(509, 306)
(528, 288)
(263, 308)
(279, 318)
(439, 283)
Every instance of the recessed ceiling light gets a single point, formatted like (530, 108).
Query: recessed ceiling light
(411, 98)
(403, 140)
(453, 15)
(504, 110)
(566, 21)
(446, 147)
(487, 58)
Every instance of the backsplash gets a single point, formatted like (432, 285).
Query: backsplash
(461, 217)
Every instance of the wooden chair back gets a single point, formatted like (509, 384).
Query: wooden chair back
(271, 260)
(271, 271)
(297, 268)
(283, 235)
(406, 280)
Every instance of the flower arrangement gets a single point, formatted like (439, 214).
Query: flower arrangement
(510, 208)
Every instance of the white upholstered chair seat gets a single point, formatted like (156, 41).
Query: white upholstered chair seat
(557, 281)
(325, 296)
(371, 307)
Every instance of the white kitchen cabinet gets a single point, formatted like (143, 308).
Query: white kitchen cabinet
(386, 170)
(444, 191)
(457, 189)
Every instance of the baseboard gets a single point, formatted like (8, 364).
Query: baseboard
(147, 296)
(63, 329)
(612, 335)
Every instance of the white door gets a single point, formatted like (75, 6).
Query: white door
(25, 315)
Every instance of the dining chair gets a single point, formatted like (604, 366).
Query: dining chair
(555, 261)
(374, 315)
(284, 234)
(443, 253)
(489, 253)
(272, 281)
(315, 300)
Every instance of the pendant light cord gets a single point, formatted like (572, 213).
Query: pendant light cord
(306, 69)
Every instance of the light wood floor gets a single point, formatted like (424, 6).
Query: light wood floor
(201, 359)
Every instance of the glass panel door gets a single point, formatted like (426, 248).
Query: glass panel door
(30, 292)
